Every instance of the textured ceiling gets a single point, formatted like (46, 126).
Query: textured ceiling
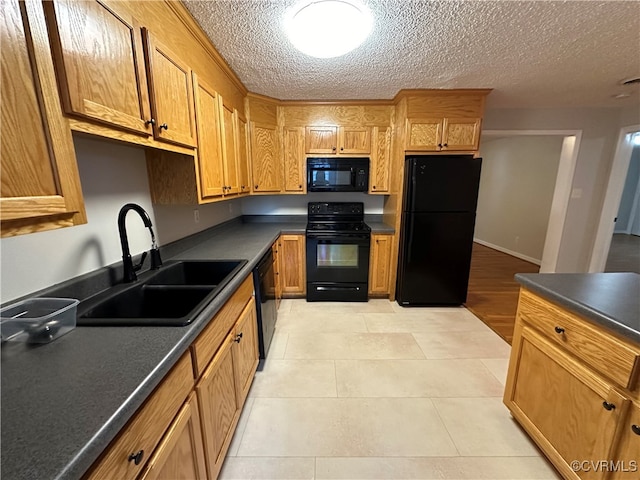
(535, 53)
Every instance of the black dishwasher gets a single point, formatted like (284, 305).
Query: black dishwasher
(264, 282)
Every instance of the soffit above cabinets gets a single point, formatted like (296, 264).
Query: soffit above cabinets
(532, 53)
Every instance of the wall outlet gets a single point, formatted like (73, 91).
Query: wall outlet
(196, 216)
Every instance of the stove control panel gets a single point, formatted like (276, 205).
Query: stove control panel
(336, 208)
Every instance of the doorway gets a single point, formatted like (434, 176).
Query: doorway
(613, 199)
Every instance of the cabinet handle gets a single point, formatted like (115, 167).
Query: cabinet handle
(341, 149)
(256, 187)
(608, 406)
(333, 148)
(559, 330)
(445, 144)
(151, 121)
(136, 457)
(374, 187)
(635, 429)
(238, 338)
(299, 186)
(165, 126)
(439, 145)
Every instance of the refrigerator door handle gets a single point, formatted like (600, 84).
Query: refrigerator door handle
(412, 225)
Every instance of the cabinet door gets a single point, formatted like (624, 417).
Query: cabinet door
(292, 259)
(218, 408)
(209, 146)
(628, 454)
(171, 93)
(380, 264)
(98, 53)
(245, 351)
(266, 161)
(40, 180)
(180, 455)
(321, 139)
(275, 249)
(294, 160)
(424, 134)
(569, 411)
(243, 156)
(461, 134)
(380, 160)
(229, 148)
(355, 140)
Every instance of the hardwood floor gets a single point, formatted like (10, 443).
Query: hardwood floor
(493, 292)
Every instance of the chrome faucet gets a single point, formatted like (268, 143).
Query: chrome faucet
(129, 268)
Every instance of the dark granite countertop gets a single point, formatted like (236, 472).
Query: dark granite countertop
(611, 300)
(64, 402)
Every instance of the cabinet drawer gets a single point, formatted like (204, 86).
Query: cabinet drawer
(143, 433)
(609, 355)
(212, 336)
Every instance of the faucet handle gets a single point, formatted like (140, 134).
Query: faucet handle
(156, 261)
(139, 266)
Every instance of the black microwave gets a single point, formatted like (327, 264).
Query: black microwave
(337, 174)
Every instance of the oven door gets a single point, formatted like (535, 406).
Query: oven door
(337, 266)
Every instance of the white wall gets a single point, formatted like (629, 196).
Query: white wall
(516, 189)
(623, 224)
(111, 175)
(297, 204)
(600, 127)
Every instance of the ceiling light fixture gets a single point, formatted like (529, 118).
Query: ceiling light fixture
(328, 28)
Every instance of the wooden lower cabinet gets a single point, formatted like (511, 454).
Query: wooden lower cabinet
(217, 399)
(292, 254)
(627, 458)
(578, 411)
(182, 432)
(180, 455)
(275, 249)
(380, 264)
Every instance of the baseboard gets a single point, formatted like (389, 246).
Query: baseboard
(508, 252)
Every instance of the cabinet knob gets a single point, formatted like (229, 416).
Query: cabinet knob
(151, 121)
(559, 330)
(333, 148)
(635, 429)
(136, 458)
(299, 186)
(608, 406)
(439, 145)
(341, 149)
(164, 126)
(445, 144)
(374, 187)
(238, 338)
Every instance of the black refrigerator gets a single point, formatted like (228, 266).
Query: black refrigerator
(438, 218)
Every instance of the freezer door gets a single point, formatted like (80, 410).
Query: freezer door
(435, 257)
(442, 183)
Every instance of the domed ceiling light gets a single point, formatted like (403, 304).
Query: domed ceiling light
(328, 28)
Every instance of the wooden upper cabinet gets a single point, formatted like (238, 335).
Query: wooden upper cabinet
(171, 93)
(210, 159)
(229, 148)
(40, 180)
(243, 156)
(100, 61)
(379, 180)
(321, 139)
(443, 134)
(294, 160)
(354, 140)
(265, 156)
(338, 140)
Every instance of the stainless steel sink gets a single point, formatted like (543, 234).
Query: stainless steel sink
(171, 296)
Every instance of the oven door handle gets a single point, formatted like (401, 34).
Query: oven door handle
(330, 236)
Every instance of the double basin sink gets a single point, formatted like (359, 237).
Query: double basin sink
(173, 295)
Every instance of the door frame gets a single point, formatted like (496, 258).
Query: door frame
(613, 195)
(562, 189)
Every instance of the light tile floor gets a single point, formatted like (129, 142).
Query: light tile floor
(375, 391)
